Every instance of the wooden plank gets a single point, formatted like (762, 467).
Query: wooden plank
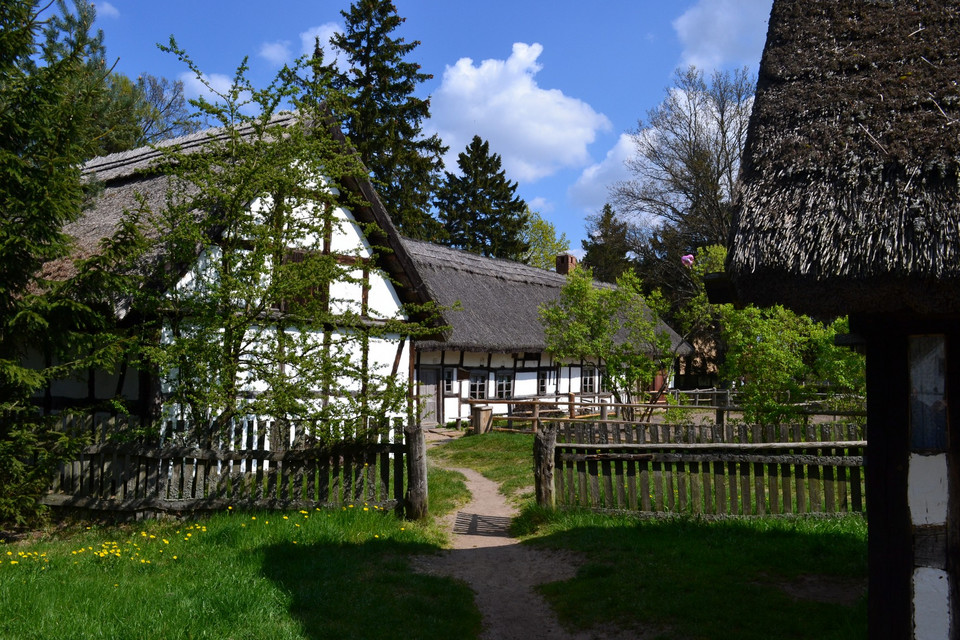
(681, 474)
(856, 491)
(816, 488)
(620, 481)
(582, 483)
(631, 481)
(720, 487)
(733, 505)
(696, 481)
(607, 471)
(746, 491)
(593, 482)
(571, 498)
(283, 477)
(799, 474)
(706, 478)
(786, 487)
(645, 504)
(758, 489)
(829, 489)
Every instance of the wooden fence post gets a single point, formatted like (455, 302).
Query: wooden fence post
(417, 498)
(544, 446)
(571, 406)
(536, 415)
(481, 419)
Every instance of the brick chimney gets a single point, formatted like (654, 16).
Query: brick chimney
(565, 263)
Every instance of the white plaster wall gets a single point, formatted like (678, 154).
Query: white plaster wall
(347, 237)
(382, 298)
(931, 608)
(347, 296)
(927, 489)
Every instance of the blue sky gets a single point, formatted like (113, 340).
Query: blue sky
(553, 85)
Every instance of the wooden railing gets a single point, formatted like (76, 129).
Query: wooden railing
(733, 470)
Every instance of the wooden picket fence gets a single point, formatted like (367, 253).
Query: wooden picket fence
(705, 469)
(241, 471)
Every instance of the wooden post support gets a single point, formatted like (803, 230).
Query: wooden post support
(571, 406)
(481, 419)
(544, 446)
(536, 415)
(722, 406)
(417, 498)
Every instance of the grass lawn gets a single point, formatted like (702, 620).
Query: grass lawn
(506, 458)
(319, 574)
(684, 578)
(346, 573)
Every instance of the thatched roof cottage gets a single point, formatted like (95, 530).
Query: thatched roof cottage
(849, 203)
(495, 345)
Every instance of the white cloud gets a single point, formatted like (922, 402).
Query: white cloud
(193, 87)
(106, 10)
(277, 53)
(541, 205)
(536, 131)
(716, 33)
(281, 52)
(324, 32)
(592, 189)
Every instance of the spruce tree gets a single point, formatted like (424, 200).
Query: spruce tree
(479, 209)
(606, 245)
(385, 122)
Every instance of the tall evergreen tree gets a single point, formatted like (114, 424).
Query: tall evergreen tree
(47, 128)
(479, 209)
(385, 123)
(606, 245)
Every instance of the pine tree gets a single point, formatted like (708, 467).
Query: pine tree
(606, 245)
(479, 209)
(385, 123)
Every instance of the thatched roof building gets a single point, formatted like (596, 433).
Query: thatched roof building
(850, 183)
(497, 301)
(849, 203)
(130, 180)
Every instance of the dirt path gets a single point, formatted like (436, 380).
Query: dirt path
(502, 572)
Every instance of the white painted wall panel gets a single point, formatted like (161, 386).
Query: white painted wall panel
(931, 604)
(927, 489)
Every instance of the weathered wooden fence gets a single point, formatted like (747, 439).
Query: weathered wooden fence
(241, 471)
(702, 469)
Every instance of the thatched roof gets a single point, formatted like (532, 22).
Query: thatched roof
(127, 177)
(499, 300)
(849, 199)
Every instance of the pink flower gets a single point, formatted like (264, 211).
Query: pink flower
(687, 260)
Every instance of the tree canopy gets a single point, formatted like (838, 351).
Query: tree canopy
(606, 246)
(479, 208)
(385, 122)
(616, 326)
(257, 325)
(541, 238)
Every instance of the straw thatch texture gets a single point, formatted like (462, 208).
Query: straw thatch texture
(850, 187)
(129, 180)
(499, 300)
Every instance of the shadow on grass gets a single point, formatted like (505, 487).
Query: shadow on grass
(369, 591)
(717, 580)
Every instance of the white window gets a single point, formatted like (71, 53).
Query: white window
(588, 380)
(542, 379)
(505, 384)
(478, 385)
(449, 382)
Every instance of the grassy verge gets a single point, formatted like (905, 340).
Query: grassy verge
(505, 458)
(320, 574)
(687, 578)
